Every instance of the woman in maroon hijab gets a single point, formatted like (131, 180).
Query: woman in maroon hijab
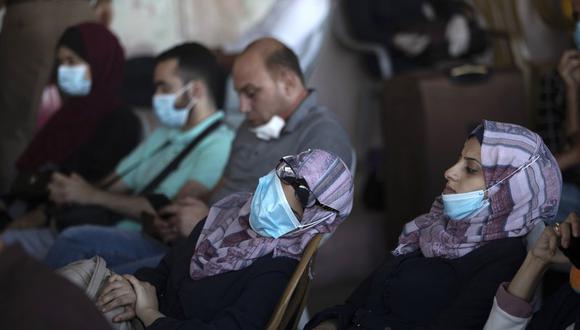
(93, 130)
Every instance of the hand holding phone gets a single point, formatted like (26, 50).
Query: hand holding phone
(159, 227)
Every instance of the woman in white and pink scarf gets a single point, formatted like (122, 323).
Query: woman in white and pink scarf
(450, 261)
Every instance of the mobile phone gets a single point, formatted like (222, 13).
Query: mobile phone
(573, 251)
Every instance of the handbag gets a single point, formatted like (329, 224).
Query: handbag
(91, 276)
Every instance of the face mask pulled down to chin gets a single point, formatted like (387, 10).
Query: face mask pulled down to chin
(270, 130)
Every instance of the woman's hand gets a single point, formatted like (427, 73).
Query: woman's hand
(147, 306)
(547, 249)
(118, 292)
(71, 189)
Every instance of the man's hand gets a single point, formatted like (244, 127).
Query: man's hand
(167, 231)
(546, 248)
(569, 68)
(71, 189)
(185, 214)
(147, 306)
(118, 292)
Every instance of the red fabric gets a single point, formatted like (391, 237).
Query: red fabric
(78, 119)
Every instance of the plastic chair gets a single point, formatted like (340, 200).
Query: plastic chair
(290, 307)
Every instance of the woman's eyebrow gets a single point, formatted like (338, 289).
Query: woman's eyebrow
(473, 159)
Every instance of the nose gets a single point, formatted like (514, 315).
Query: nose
(244, 105)
(453, 173)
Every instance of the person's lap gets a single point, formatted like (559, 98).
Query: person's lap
(36, 242)
(120, 248)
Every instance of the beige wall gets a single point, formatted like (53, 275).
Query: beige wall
(147, 27)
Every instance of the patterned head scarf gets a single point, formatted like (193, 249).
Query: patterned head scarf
(227, 242)
(529, 192)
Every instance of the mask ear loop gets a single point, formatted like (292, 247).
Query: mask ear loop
(310, 225)
(192, 102)
(519, 169)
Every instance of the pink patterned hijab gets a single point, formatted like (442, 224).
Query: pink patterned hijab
(530, 194)
(227, 242)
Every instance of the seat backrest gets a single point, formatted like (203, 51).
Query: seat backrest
(287, 313)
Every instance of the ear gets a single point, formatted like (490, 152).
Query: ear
(288, 81)
(197, 89)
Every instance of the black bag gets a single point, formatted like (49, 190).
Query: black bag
(31, 185)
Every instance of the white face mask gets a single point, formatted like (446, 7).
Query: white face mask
(167, 113)
(71, 80)
(270, 130)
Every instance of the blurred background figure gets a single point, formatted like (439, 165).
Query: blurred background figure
(30, 31)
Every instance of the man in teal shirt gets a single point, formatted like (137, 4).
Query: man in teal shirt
(186, 82)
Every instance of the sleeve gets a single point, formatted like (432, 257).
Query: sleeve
(116, 137)
(330, 136)
(210, 163)
(135, 157)
(344, 314)
(352, 309)
(508, 311)
(252, 310)
(158, 276)
(181, 250)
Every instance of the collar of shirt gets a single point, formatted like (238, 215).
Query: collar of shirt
(300, 113)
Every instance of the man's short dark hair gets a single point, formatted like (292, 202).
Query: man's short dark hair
(284, 58)
(194, 62)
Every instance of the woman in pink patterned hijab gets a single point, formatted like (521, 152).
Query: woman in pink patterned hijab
(522, 184)
(230, 242)
(233, 268)
(449, 262)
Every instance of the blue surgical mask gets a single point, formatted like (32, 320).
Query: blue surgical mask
(270, 213)
(462, 205)
(167, 113)
(72, 81)
(577, 35)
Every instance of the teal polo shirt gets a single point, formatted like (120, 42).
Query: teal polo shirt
(204, 164)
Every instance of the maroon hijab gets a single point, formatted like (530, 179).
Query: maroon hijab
(78, 119)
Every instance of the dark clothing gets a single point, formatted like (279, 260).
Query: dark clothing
(414, 292)
(80, 117)
(33, 297)
(311, 126)
(28, 41)
(379, 21)
(115, 138)
(243, 299)
(560, 310)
